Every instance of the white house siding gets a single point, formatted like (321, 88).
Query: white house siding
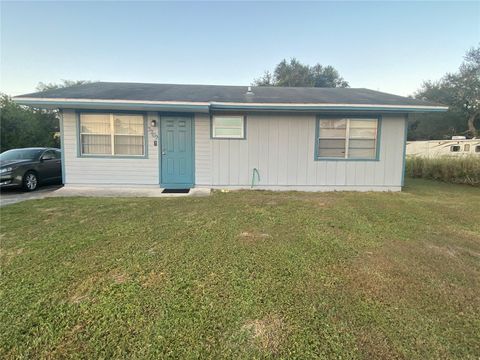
(281, 147)
(89, 170)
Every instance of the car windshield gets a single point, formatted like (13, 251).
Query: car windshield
(20, 154)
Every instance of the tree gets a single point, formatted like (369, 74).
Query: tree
(460, 91)
(22, 126)
(265, 80)
(296, 74)
(65, 83)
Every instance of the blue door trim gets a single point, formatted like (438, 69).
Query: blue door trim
(170, 185)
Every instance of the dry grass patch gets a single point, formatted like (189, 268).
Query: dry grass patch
(7, 256)
(267, 333)
(153, 279)
(374, 344)
(443, 250)
(253, 236)
(83, 289)
(69, 342)
(119, 278)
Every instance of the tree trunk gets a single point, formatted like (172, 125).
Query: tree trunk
(471, 126)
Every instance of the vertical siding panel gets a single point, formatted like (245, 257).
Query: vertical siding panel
(302, 151)
(263, 148)
(322, 172)
(391, 151)
(253, 147)
(203, 150)
(330, 173)
(223, 168)
(282, 151)
(380, 166)
(350, 173)
(216, 162)
(398, 158)
(234, 162)
(69, 142)
(273, 147)
(243, 166)
(212, 162)
(370, 172)
(311, 163)
(341, 173)
(360, 168)
(292, 152)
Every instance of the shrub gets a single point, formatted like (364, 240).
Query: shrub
(457, 170)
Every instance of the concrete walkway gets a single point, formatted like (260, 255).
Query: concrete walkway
(12, 196)
(122, 191)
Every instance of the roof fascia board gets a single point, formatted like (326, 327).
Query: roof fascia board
(113, 105)
(207, 106)
(328, 107)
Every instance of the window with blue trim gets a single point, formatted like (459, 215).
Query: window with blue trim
(112, 134)
(347, 138)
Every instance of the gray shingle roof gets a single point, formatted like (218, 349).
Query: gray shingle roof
(218, 93)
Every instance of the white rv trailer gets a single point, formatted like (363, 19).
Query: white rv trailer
(458, 146)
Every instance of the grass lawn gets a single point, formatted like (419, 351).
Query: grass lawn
(244, 275)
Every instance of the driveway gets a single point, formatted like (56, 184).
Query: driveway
(12, 196)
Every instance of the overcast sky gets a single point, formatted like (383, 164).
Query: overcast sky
(386, 46)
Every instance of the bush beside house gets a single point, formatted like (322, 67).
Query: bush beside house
(465, 170)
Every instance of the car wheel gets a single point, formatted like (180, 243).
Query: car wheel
(30, 181)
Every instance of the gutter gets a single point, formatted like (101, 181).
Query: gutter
(52, 103)
(207, 107)
(328, 107)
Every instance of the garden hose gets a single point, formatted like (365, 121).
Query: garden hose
(255, 171)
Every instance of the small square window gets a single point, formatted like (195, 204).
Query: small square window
(477, 149)
(455, 148)
(228, 127)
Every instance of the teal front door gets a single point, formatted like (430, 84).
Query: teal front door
(176, 147)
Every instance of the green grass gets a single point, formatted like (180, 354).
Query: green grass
(456, 170)
(244, 275)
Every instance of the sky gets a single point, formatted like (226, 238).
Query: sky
(385, 46)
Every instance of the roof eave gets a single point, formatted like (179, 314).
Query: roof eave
(112, 105)
(329, 108)
(205, 107)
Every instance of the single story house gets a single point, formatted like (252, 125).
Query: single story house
(277, 138)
